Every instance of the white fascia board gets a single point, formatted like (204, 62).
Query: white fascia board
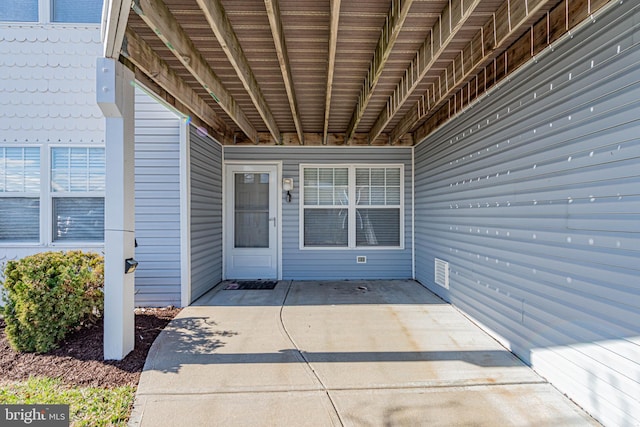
(115, 15)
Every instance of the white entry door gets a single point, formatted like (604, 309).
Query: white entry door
(251, 240)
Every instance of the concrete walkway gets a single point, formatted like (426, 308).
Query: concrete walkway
(356, 353)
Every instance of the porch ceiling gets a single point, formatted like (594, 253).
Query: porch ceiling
(350, 72)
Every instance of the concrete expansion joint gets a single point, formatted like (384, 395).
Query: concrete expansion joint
(304, 358)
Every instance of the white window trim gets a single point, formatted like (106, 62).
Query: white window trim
(49, 195)
(28, 195)
(351, 208)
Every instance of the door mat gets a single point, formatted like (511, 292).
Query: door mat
(252, 285)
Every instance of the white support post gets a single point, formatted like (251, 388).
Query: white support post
(115, 96)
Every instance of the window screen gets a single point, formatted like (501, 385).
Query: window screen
(78, 218)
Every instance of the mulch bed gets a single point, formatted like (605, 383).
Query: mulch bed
(79, 359)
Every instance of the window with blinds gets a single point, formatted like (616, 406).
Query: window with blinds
(352, 206)
(77, 193)
(19, 194)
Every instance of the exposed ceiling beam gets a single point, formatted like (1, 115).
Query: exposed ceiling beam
(158, 17)
(221, 27)
(334, 139)
(393, 24)
(452, 19)
(115, 16)
(146, 60)
(273, 12)
(331, 65)
(497, 33)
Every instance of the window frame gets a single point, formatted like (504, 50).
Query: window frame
(28, 195)
(49, 195)
(352, 206)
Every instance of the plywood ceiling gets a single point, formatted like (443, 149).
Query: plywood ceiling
(334, 72)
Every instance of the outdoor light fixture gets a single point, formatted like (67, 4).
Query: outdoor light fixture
(287, 185)
(130, 265)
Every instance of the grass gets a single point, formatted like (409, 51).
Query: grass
(89, 406)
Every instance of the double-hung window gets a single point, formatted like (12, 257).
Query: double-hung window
(77, 193)
(352, 206)
(19, 194)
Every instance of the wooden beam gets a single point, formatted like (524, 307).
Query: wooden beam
(333, 46)
(273, 12)
(317, 139)
(221, 27)
(482, 48)
(393, 24)
(158, 17)
(451, 20)
(153, 87)
(146, 60)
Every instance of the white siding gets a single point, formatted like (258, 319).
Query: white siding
(47, 97)
(533, 197)
(206, 212)
(333, 264)
(157, 186)
(47, 84)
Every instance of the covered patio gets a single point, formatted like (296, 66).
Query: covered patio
(498, 138)
(338, 353)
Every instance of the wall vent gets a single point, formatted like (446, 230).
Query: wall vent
(442, 273)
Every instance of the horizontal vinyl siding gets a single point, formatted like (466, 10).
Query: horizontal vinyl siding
(533, 197)
(206, 213)
(157, 169)
(333, 264)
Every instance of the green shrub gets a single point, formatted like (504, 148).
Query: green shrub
(49, 294)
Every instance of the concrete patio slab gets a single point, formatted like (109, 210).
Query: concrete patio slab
(338, 353)
(487, 405)
(301, 408)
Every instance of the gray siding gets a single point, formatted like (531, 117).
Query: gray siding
(333, 264)
(157, 175)
(533, 197)
(206, 212)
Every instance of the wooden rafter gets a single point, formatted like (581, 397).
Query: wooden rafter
(475, 55)
(158, 17)
(221, 27)
(146, 60)
(451, 20)
(393, 24)
(275, 22)
(331, 64)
